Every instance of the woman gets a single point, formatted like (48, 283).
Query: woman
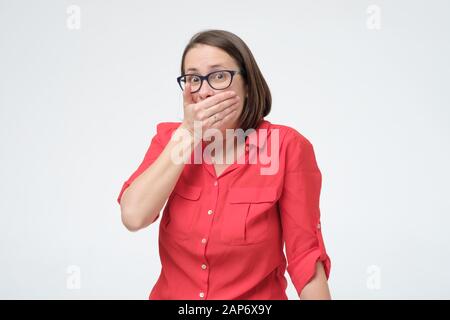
(225, 222)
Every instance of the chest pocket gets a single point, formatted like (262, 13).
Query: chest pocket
(247, 215)
(183, 207)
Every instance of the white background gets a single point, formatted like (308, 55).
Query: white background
(78, 108)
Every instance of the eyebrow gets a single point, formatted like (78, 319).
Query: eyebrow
(210, 67)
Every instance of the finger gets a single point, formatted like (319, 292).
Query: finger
(187, 95)
(217, 98)
(230, 114)
(221, 106)
(211, 121)
(222, 114)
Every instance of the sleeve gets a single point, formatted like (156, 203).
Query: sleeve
(300, 213)
(153, 152)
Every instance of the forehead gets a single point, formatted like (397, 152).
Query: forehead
(204, 58)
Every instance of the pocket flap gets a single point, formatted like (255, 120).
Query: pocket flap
(188, 191)
(252, 194)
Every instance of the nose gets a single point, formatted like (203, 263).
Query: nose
(205, 91)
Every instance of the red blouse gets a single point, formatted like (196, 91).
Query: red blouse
(223, 237)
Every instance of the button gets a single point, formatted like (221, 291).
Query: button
(318, 226)
(246, 148)
(210, 212)
(204, 240)
(202, 295)
(215, 183)
(203, 266)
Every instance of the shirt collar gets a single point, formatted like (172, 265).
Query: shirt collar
(261, 138)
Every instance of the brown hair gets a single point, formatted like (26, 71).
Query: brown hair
(259, 101)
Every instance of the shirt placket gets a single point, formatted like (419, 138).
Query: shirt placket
(209, 215)
(213, 191)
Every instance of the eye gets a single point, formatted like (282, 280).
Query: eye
(219, 75)
(192, 79)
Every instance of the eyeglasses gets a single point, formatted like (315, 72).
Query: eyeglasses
(218, 80)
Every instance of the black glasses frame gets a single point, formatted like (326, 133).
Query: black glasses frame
(205, 77)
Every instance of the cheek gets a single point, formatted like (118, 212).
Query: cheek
(240, 108)
(242, 104)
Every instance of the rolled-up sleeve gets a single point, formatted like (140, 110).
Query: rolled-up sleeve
(153, 152)
(300, 212)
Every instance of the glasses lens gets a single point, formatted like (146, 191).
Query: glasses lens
(220, 79)
(194, 81)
